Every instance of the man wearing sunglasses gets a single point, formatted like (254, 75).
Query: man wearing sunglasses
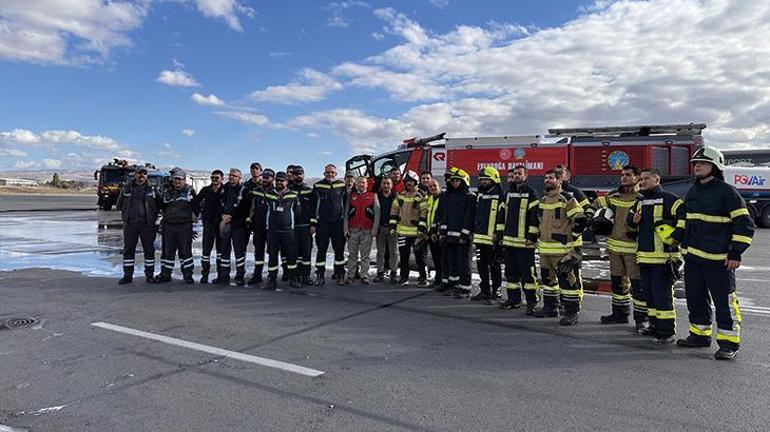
(209, 203)
(138, 203)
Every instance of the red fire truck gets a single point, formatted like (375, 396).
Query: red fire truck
(594, 155)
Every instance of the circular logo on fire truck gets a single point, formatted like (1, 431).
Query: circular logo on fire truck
(617, 160)
(505, 154)
(519, 153)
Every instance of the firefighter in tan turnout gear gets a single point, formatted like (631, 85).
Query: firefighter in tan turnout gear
(562, 220)
(407, 219)
(610, 220)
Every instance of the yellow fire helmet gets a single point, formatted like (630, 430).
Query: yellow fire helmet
(490, 173)
(457, 173)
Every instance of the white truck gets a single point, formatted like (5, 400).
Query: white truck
(753, 183)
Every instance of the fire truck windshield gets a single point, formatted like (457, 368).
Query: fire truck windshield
(384, 164)
(112, 176)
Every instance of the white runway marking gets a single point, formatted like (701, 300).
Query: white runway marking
(288, 367)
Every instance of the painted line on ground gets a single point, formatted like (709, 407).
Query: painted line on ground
(276, 364)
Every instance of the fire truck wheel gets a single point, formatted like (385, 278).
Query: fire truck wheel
(764, 221)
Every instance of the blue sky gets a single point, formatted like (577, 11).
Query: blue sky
(217, 83)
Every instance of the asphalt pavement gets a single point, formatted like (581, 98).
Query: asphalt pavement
(380, 357)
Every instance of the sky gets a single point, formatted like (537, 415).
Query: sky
(206, 84)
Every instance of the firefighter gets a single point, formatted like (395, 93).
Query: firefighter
(278, 208)
(432, 203)
(455, 213)
(658, 256)
(519, 225)
(562, 221)
(610, 220)
(209, 203)
(718, 231)
(233, 230)
(251, 188)
(178, 216)
(362, 210)
(425, 178)
(328, 205)
(302, 238)
(405, 221)
(257, 222)
(138, 202)
(387, 243)
(488, 200)
(585, 204)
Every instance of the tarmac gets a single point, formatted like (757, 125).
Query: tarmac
(378, 357)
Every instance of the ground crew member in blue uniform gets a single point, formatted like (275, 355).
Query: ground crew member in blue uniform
(302, 238)
(328, 207)
(233, 232)
(519, 226)
(718, 231)
(562, 222)
(657, 219)
(455, 213)
(278, 209)
(178, 216)
(488, 200)
(610, 220)
(209, 203)
(138, 202)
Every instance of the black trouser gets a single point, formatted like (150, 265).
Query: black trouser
(705, 283)
(132, 233)
(235, 241)
(282, 241)
(405, 246)
(303, 242)
(489, 269)
(334, 232)
(457, 265)
(259, 240)
(177, 238)
(435, 254)
(210, 241)
(520, 273)
(658, 289)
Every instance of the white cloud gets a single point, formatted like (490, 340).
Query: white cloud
(378, 36)
(188, 132)
(441, 4)
(51, 163)
(177, 78)
(25, 164)
(20, 136)
(211, 100)
(310, 86)
(98, 142)
(325, 153)
(338, 16)
(169, 152)
(227, 10)
(245, 117)
(12, 152)
(618, 63)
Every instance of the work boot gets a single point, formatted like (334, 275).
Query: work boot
(510, 304)
(163, 278)
(530, 310)
(436, 282)
(444, 287)
(481, 296)
(660, 341)
(461, 293)
(725, 353)
(380, 277)
(547, 311)
(271, 285)
(306, 280)
(393, 278)
(188, 278)
(240, 279)
(255, 279)
(347, 280)
(422, 281)
(295, 282)
(221, 279)
(644, 328)
(404, 281)
(365, 280)
(569, 320)
(320, 280)
(126, 279)
(614, 318)
(149, 278)
(694, 342)
(204, 279)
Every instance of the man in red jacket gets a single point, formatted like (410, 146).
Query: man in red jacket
(362, 221)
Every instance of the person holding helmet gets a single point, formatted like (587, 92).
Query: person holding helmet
(139, 202)
(407, 220)
(610, 220)
(485, 236)
(561, 221)
(178, 216)
(327, 223)
(519, 223)
(657, 221)
(455, 213)
(718, 231)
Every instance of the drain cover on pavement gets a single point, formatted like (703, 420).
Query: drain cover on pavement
(17, 323)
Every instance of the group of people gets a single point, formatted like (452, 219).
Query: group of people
(650, 233)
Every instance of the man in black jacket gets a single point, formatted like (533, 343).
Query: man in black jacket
(279, 210)
(302, 238)
(178, 216)
(455, 214)
(328, 204)
(209, 203)
(232, 229)
(718, 231)
(138, 203)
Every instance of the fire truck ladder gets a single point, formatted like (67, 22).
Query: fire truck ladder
(690, 129)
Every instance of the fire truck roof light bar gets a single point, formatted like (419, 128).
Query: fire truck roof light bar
(639, 130)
